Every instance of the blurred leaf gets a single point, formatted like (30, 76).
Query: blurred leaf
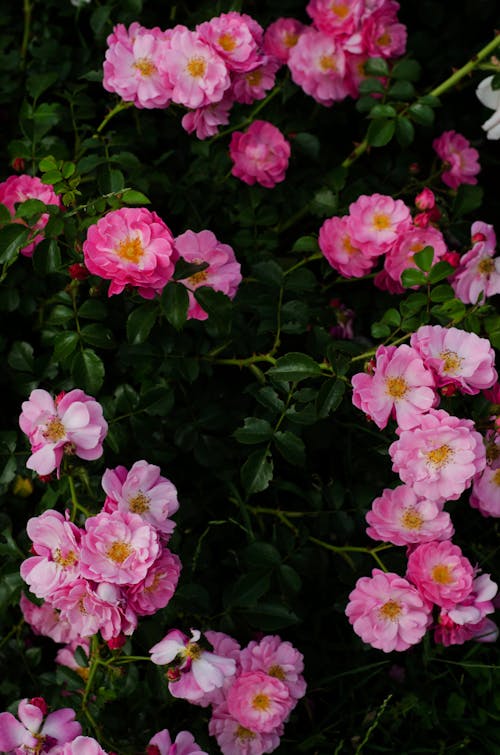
(88, 371)
(140, 323)
(380, 132)
(257, 471)
(290, 446)
(254, 431)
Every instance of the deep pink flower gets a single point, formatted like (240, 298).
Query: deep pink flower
(399, 516)
(382, 35)
(206, 120)
(336, 242)
(400, 384)
(485, 494)
(156, 589)
(260, 154)
(254, 85)
(20, 188)
(460, 159)
(223, 271)
(441, 573)
(401, 254)
(440, 457)
(47, 621)
(231, 38)
(70, 425)
(281, 36)
(184, 744)
(32, 732)
(387, 612)
(235, 739)
(131, 246)
(337, 18)
(278, 659)
(317, 64)
(456, 357)
(378, 221)
(258, 701)
(425, 200)
(449, 633)
(478, 273)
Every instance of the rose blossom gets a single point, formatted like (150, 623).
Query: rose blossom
(254, 85)
(79, 746)
(387, 612)
(205, 121)
(340, 17)
(235, 739)
(485, 494)
(277, 659)
(336, 242)
(32, 732)
(19, 189)
(231, 38)
(400, 517)
(378, 221)
(383, 36)
(258, 701)
(131, 246)
(184, 744)
(478, 273)
(281, 36)
(70, 424)
(401, 255)
(460, 159)
(260, 154)
(441, 573)
(448, 633)
(47, 621)
(317, 64)
(156, 589)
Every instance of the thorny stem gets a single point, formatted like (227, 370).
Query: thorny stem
(26, 32)
(74, 500)
(117, 109)
(343, 550)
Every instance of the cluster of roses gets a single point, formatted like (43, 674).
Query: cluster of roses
(437, 456)
(20, 188)
(57, 733)
(252, 690)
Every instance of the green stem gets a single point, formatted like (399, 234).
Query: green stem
(27, 8)
(342, 550)
(95, 660)
(368, 354)
(74, 500)
(117, 109)
(247, 121)
(246, 362)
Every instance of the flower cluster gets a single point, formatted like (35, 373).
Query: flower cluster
(18, 189)
(251, 691)
(460, 160)
(478, 273)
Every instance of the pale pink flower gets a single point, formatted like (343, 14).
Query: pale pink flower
(47, 621)
(66, 656)
(184, 744)
(400, 517)
(141, 490)
(336, 243)
(119, 547)
(478, 273)
(79, 746)
(277, 659)
(254, 85)
(281, 36)
(223, 271)
(205, 121)
(199, 671)
(400, 385)
(70, 424)
(20, 188)
(378, 221)
(387, 612)
(440, 571)
(337, 18)
(456, 357)
(485, 494)
(440, 457)
(382, 35)
(135, 66)
(197, 74)
(477, 604)
(460, 159)
(258, 701)
(131, 246)
(449, 633)
(317, 64)
(56, 543)
(260, 154)
(235, 739)
(490, 98)
(35, 732)
(231, 38)
(401, 254)
(156, 589)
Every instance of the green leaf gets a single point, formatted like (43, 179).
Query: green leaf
(306, 244)
(254, 431)
(64, 345)
(324, 203)
(217, 305)
(413, 277)
(37, 83)
(402, 90)
(140, 322)
(380, 132)
(329, 397)
(392, 317)
(93, 309)
(291, 447)
(468, 199)
(81, 657)
(31, 208)
(382, 111)
(134, 197)
(12, 238)
(21, 356)
(247, 590)
(370, 85)
(88, 371)
(294, 367)
(424, 258)
(5, 216)
(376, 67)
(440, 271)
(48, 163)
(380, 330)
(261, 555)
(269, 272)
(422, 114)
(51, 177)
(257, 471)
(269, 617)
(96, 334)
(308, 144)
(47, 257)
(442, 293)
(406, 70)
(405, 131)
(175, 302)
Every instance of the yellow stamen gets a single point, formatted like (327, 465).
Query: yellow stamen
(261, 702)
(384, 40)
(327, 63)
(139, 503)
(193, 651)
(277, 672)
(411, 519)
(340, 9)
(486, 266)
(54, 430)
(68, 560)
(227, 42)
(381, 221)
(198, 278)
(451, 361)
(496, 478)
(397, 387)
(254, 77)
(439, 457)
(290, 40)
(441, 574)
(348, 246)
(145, 66)
(119, 551)
(196, 66)
(244, 734)
(390, 610)
(130, 249)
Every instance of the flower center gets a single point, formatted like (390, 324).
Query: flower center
(290, 40)
(198, 278)
(254, 77)
(145, 66)
(486, 266)
(261, 702)
(54, 430)
(227, 42)
(154, 584)
(244, 734)
(193, 651)
(381, 221)
(496, 478)
(451, 361)
(390, 610)
(397, 387)
(130, 249)
(139, 503)
(119, 551)
(68, 560)
(340, 9)
(196, 66)
(439, 457)
(441, 574)
(411, 519)
(348, 245)
(327, 63)
(277, 672)
(384, 40)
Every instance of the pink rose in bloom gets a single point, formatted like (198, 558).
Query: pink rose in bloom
(156, 589)
(448, 633)
(440, 457)
(336, 243)
(235, 739)
(400, 385)
(135, 66)
(80, 746)
(47, 621)
(33, 731)
(231, 38)
(337, 18)
(277, 659)
(197, 74)
(378, 220)
(131, 246)
(205, 121)
(485, 494)
(258, 701)
(254, 85)
(461, 160)
(281, 36)
(478, 273)
(441, 573)
(70, 424)
(383, 36)
(478, 602)
(387, 612)
(401, 255)
(317, 64)
(57, 545)
(144, 491)
(400, 517)
(20, 188)
(223, 271)
(456, 357)
(184, 744)
(260, 154)
(119, 548)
